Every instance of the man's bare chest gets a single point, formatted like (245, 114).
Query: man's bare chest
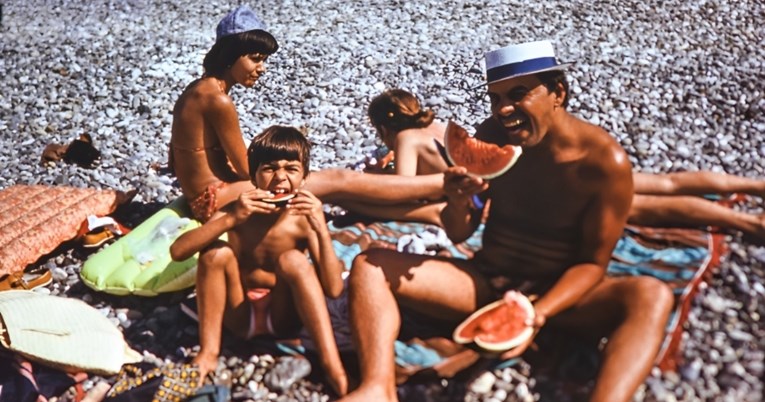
(546, 200)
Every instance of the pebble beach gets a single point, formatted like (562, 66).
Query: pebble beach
(679, 84)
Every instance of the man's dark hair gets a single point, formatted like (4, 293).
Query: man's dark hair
(551, 79)
(279, 143)
(228, 49)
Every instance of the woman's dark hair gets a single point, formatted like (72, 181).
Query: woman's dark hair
(279, 143)
(228, 49)
(551, 79)
(398, 110)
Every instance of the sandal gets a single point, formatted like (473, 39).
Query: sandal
(26, 280)
(97, 237)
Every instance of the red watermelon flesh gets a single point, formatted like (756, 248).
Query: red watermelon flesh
(499, 326)
(482, 159)
(280, 198)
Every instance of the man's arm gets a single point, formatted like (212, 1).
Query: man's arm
(460, 217)
(603, 223)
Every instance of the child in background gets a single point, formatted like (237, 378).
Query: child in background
(260, 281)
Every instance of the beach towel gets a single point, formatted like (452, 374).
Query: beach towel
(682, 258)
(34, 220)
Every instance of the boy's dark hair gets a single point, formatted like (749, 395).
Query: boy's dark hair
(228, 49)
(279, 143)
(551, 79)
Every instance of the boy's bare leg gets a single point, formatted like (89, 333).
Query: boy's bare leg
(381, 278)
(338, 185)
(298, 292)
(696, 183)
(689, 211)
(633, 312)
(219, 295)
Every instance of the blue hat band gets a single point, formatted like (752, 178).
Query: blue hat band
(520, 68)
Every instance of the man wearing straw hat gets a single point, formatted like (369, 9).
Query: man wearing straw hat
(554, 220)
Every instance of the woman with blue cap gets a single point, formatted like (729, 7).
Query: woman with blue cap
(207, 150)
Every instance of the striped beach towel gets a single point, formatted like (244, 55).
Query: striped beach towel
(682, 258)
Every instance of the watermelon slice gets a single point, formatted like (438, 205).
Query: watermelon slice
(280, 199)
(499, 326)
(482, 159)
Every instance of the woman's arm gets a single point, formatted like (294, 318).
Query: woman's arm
(222, 116)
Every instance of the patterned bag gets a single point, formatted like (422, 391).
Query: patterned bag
(170, 383)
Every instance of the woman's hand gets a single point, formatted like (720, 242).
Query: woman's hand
(251, 202)
(308, 205)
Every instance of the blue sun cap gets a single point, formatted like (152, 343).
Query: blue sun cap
(521, 59)
(242, 19)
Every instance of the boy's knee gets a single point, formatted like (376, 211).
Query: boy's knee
(218, 255)
(293, 264)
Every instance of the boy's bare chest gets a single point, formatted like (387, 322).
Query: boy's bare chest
(259, 246)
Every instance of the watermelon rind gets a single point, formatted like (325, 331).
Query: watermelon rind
(280, 198)
(516, 153)
(497, 347)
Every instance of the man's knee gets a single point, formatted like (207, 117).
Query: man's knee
(364, 270)
(293, 265)
(647, 295)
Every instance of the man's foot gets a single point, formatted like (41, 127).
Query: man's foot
(757, 235)
(371, 393)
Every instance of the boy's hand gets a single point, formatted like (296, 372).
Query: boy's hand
(306, 204)
(250, 202)
(459, 185)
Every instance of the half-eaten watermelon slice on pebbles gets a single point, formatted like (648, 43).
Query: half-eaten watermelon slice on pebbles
(482, 159)
(499, 326)
(280, 199)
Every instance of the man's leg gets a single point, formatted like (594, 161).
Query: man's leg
(379, 279)
(219, 295)
(633, 313)
(696, 183)
(298, 292)
(690, 211)
(338, 185)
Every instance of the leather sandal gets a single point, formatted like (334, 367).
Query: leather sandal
(97, 237)
(25, 280)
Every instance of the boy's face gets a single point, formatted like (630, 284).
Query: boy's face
(279, 177)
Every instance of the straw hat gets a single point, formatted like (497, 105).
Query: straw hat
(521, 59)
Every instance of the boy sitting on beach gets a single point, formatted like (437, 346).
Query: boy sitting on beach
(260, 281)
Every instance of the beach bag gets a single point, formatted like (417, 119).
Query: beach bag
(169, 383)
(62, 333)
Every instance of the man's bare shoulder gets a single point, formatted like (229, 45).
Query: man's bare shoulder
(604, 154)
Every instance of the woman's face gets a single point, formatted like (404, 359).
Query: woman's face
(248, 68)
